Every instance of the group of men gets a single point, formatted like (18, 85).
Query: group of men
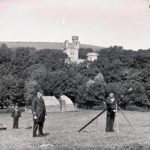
(39, 113)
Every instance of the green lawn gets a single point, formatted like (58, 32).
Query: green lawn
(63, 127)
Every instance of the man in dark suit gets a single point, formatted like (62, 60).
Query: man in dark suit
(111, 110)
(39, 114)
(16, 114)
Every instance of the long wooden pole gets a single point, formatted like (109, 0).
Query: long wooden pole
(92, 120)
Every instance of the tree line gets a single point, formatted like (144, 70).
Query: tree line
(125, 72)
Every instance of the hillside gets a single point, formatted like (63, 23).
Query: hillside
(45, 45)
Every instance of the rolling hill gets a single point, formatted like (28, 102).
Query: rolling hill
(45, 45)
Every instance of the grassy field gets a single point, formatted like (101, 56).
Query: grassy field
(63, 127)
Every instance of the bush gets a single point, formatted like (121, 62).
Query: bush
(136, 108)
(2, 111)
(9, 110)
(101, 107)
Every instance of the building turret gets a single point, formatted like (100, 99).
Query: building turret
(75, 42)
(66, 44)
(72, 49)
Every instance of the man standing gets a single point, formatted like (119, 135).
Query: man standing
(39, 114)
(111, 110)
(16, 114)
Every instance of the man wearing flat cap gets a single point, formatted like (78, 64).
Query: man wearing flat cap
(39, 114)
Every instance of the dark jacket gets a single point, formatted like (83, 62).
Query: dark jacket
(110, 106)
(16, 113)
(39, 109)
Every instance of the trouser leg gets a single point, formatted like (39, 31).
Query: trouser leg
(13, 123)
(112, 121)
(108, 123)
(16, 123)
(41, 128)
(35, 126)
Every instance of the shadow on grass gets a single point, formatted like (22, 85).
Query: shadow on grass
(134, 146)
(46, 134)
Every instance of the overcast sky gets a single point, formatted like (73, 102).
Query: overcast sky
(97, 22)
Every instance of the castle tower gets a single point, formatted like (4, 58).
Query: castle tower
(75, 48)
(75, 41)
(72, 49)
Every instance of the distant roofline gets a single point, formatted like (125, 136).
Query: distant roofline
(92, 54)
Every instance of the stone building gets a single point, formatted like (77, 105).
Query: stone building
(72, 49)
(92, 56)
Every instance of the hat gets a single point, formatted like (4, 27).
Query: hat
(40, 91)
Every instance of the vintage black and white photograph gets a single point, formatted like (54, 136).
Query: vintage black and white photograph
(74, 74)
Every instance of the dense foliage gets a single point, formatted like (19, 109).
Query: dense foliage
(124, 72)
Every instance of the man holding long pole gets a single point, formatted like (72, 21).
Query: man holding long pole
(111, 110)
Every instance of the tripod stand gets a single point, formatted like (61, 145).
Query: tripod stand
(117, 107)
(126, 119)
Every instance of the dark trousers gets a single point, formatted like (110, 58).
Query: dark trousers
(39, 127)
(15, 122)
(110, 121)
